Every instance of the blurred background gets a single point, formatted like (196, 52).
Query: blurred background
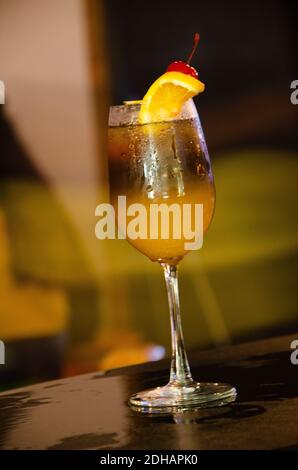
(70, 303)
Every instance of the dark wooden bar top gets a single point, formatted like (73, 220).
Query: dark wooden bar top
(90, 411)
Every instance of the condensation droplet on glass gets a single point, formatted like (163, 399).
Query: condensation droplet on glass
(200, 169)
(149, 188)
(174, 149)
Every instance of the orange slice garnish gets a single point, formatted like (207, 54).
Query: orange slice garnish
(166, 96)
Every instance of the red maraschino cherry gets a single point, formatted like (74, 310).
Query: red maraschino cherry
(184, 67)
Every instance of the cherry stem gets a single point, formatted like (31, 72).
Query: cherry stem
(195, 45)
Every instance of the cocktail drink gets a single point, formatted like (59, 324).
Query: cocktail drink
(160, 163)
(158, 156)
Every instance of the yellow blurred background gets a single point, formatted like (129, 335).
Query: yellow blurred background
(70, 303)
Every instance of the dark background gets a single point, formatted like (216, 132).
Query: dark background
(246, 57)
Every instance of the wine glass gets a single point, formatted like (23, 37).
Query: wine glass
(165, 162)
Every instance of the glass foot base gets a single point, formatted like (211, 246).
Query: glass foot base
(177, 398)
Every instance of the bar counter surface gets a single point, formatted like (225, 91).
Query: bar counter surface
(90, 411)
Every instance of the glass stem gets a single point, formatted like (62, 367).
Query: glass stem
(180, 370)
